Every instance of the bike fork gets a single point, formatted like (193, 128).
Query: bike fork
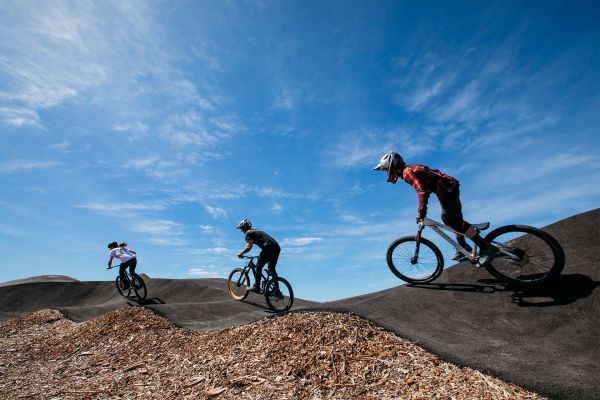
(415, 257)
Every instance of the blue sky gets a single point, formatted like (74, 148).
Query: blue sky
(165, 123)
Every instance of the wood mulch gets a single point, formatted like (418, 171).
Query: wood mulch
(133, 353)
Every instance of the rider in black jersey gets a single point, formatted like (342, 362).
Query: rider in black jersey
(269, 251)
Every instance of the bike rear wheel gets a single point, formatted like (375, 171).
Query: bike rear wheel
(238, 283)
(279, 294)
(121, 289)
(139, 287)
(527, 256)
(426, 267)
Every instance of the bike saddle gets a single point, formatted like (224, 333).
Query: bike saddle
(481, 227)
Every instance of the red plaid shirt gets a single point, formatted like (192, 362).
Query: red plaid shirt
(426, 180)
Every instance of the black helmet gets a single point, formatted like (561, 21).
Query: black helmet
(113, 245)
(245, 223)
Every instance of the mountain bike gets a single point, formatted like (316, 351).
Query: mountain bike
(134, 281)
(277, 291)
(526, 256)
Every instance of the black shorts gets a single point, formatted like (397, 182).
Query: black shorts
(270, 255)
(452, 211)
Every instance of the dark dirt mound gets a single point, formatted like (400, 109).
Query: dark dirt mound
(544, 339)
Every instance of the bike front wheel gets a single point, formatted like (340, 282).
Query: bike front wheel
(139, 287)
(527, 256)
(411, 267)
(121, 289)
(238, 283)
(279, 294)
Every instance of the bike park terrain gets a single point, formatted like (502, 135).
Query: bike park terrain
(543, 339)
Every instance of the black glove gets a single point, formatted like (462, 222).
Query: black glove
(420, 217)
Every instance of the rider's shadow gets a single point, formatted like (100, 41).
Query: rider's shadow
(566, 289)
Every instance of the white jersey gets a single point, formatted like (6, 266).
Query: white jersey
(122, 253)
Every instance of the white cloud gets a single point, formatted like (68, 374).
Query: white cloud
(21, 166)
(205, 271)
(207, 228)
(364, 149)
(115, 208)
(19, 116)
(134, 129)
(213, 250)
(302, 241)
(160, 227)
(276, 207)
(62, 146)
(216, 212)
(423, 95)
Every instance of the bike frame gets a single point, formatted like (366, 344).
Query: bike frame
(252, 266)
(127, 274)
(439, 228)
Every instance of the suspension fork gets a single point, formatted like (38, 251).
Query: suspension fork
(244, 273)
(415, 257)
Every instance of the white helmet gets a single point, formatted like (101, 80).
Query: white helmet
(390, 161)
(245, 223)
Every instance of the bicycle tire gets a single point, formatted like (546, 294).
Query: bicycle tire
(238, 283)
(122, 291)
(540, 256)
(430, 261)
(279, 294)
(139, 287)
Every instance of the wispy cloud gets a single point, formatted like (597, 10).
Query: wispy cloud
(19, 116)
(205, 271)
(302, 241)
(116, 208)
(216, 212)
(13, 167)
(365, 149)
(160, 231)
(212, 250)
(206, 228)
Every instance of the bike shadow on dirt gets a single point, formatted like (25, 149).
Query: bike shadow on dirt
(137, 302)
(565, 289)
(261, 306)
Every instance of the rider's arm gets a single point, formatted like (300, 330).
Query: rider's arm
(248, 247)
(110, 261)
(411, 178)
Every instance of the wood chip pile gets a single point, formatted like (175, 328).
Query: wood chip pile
(133, 353)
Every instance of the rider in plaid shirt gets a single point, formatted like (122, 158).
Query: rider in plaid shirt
(427, 180)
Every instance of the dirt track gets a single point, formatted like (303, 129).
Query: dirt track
(545, 340)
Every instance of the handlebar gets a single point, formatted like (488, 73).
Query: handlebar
(250, 257)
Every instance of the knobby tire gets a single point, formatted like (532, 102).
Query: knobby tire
(139, 287)
(123, 292)
(539, 258)
(238, 283)
(428, 267)
(279, 294)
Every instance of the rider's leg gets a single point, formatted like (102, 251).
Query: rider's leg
(273, 262)
(133, 264)
(263, 258)
(452, 216)
(122, 269)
